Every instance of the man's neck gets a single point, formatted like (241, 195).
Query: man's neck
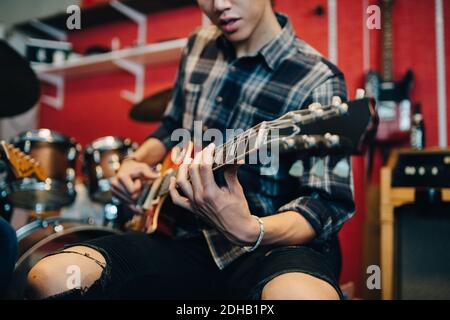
(267, 29)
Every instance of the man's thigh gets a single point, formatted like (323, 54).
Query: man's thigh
(150, 267)
(158, 267)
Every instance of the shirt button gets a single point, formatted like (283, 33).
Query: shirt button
(219, 99)
(233, 69)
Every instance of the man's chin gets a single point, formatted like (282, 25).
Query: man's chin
(236, 37)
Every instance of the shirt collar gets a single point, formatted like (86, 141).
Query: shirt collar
(273, 52)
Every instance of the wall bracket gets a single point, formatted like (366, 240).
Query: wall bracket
(138, 70)
(57, 81)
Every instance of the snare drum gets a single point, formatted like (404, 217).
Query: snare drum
(44, 236)
(102, 160)
(57, 154)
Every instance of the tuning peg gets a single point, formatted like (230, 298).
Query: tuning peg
(296, 117)
(314, 106)
(336, 101)
(343, 108)
(332, 139)
(360, 93)
(310, 141)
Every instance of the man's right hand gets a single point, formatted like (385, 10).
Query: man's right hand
(128, 182)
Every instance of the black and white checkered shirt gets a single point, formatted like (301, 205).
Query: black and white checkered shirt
(223, 91)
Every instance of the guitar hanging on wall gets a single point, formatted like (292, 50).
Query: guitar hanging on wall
(392, 97)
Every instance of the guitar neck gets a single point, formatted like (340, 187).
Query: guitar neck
(238, 148)
(387, 41)
(299, 131)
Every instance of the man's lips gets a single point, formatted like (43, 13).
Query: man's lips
(230, 25)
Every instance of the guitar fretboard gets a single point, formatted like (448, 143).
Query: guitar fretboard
(387, 41)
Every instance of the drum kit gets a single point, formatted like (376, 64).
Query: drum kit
(47, 230)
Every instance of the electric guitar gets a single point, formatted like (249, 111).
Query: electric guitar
(21, 164)
(343, 129)
(392, 98)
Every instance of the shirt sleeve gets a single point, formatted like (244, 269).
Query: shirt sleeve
(326, 183)
(172, 118)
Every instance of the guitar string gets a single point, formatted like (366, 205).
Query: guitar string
(254, 131)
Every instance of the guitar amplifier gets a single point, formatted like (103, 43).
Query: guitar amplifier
(422, 169)
(420, 224)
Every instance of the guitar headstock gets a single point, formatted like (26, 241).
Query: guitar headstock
(346, 128)
(21, 164)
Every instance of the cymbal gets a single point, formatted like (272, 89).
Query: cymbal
(152, 108)
(19, 86)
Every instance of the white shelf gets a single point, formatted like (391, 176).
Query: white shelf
(151, 54)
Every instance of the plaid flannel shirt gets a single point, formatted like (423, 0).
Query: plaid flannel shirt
(223, 91)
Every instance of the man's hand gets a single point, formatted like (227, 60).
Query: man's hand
(224, 208)
(128, 182)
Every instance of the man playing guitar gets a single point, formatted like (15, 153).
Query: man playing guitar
(253, 237)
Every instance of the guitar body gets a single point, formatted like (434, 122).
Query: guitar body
(152, 218)
(393, 106)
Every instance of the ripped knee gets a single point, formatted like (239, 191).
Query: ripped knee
(72, 268)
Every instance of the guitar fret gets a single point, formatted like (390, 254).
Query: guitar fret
(241, 146)
(218, 155)
(230, 155)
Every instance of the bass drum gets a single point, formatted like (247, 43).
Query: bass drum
(44, 236)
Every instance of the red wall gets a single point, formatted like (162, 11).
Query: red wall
(93, 106)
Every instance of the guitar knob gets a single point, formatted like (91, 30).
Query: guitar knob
(410, 171)
(435, 171)
(422, 171)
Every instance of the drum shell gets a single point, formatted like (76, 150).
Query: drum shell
(57, 154)
(101, 162)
